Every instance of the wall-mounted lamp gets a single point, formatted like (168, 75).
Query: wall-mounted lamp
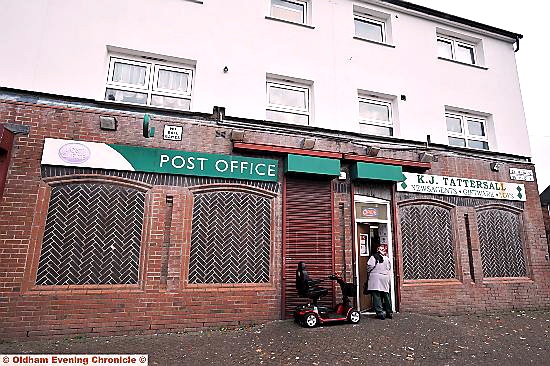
(237, 136)
(147, 131)
(308, 143)
(425, 157)
(495, 167)
(107, 123)
(372, 150)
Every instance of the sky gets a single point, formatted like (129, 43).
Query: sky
(532, 63)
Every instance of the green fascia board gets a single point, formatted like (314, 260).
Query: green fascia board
(312, 165)
(377, 172)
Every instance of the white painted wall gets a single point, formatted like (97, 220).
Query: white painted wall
(60, 47)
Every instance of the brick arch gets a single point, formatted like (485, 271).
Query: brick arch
(198, 189)
(99, 179)
(426, 201)
(499, 206)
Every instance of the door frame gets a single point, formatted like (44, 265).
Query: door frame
(388, 222)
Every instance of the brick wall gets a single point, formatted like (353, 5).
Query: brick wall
(471, 292)
(163, 300)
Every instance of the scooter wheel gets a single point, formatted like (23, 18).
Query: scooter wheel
(354, 317)
(310, 320)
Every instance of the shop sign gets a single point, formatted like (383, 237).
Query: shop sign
(367, 210)
(465, 187)
(522, 174)
(370, 212)
(141, 159)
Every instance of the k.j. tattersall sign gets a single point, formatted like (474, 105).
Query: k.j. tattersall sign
(134, 158)
(454, 186)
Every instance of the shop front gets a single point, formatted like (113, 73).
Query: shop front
(123, 231)
(467, 240)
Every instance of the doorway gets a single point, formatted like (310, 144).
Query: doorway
(372, 226)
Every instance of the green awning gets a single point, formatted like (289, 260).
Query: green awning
(312, 165)
(377, 171)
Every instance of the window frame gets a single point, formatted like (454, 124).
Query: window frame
(157, 90)
(456, 42)
(125, 86)
(373, 20)
(290, 109)
(151, 80)
(303, 3)
(465, 134)
(374, 122)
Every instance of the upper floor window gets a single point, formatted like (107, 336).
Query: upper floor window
(456, 49)
(375, 116)
(143, 81)
(372, 25)
(295, 11)
(369, 28)
(467, 131)
(288, 102)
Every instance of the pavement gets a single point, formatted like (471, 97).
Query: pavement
(504, 338)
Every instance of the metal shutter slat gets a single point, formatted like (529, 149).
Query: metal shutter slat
(308, 236)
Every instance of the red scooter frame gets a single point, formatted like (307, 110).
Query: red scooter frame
(311, 315)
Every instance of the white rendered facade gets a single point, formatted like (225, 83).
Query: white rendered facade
(64, 48)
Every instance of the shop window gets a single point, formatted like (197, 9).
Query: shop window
(295, 11)
(467, 131)
(288, 102)
(92, 235)
(375, 116)
(149, 82)
(230, 238)
(427, 240)
(501, 243)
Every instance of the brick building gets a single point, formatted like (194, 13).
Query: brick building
(545, 205)
(150, 193)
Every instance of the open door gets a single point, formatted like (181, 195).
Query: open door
(368, 238)
(373, 226)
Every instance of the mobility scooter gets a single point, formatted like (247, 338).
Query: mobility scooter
(312, 314)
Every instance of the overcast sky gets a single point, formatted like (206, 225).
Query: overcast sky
(531, 59)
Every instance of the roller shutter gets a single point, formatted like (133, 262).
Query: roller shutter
(308, 237)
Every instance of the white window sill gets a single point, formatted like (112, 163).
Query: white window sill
(375, 42)
(463, 63)
(467, 148)
(144, 106)
(290, 22)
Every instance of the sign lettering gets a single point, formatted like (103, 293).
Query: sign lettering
(135, 158)
(466, 187)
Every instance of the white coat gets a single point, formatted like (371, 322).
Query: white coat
(379, 277)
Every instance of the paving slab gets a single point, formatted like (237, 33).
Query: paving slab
(505, 338)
